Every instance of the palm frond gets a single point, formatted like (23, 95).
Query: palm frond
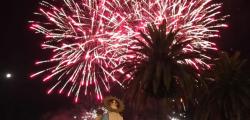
(228, 97)
(160, 67)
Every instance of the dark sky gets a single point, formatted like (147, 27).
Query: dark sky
(26, 99)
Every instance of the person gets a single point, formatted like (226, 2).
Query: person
(114, 107)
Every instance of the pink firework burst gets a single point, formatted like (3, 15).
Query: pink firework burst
(86, 39)
(197, 20)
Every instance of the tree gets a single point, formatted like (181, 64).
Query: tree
(228, 97)
(159, 71)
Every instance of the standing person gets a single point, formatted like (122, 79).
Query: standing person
(114, 107)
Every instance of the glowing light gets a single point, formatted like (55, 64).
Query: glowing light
(91, 114)
(174, 118)
(8, 75)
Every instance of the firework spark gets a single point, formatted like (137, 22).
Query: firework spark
(89, 37)
(92, 114)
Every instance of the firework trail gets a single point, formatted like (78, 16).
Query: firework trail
(89, 37)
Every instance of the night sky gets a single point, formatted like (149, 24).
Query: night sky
(23, 98)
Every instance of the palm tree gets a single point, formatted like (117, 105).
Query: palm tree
(228, 97)
(160, 69)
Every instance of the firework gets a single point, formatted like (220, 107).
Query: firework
(90, 38)
(92, 114)
(85, 41)
(196, 20)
